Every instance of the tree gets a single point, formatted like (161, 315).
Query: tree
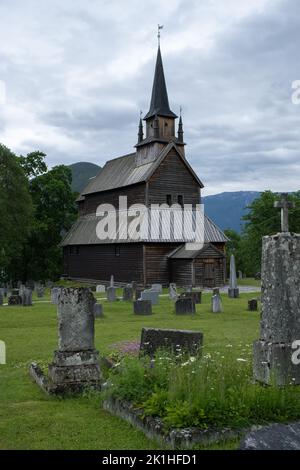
(233, 247)
(54, 213)
(15, 212)
(261, 220)
(33, 164)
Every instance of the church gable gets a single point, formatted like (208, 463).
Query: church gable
(173, 182)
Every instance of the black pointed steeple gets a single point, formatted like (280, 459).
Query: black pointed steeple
(141, 132)
(180, 130)
(159, 100)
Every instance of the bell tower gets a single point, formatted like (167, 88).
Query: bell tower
(159, 120)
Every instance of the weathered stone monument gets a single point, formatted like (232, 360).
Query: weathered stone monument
(142, 307)
(152, 295)
(252, 305)
(233, 291)
(216, 304)
(76, 362)
(280, 319)
(98, 310)
(173, 291)
(40, 291)
(185, 306)
(127, 293)
(26, 297)
(14, 298)
(100, 288)
(111, 292)
(178, 341)
(138, 292)
(55, 291)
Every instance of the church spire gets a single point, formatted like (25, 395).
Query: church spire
(180, 129)
(141, 132)
(159, 99)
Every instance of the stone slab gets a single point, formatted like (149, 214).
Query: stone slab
(185, 340)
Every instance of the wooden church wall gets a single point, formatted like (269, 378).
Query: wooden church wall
(172, 177)
(135, 195)
(124, 261)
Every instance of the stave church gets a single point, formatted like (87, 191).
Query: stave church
(157, 172)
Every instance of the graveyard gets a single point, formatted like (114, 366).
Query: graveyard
(32, 420)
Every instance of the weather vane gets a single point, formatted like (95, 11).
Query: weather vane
(180, 110)
(141, 113)
(159, 27)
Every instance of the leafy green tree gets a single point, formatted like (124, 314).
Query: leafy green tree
(261, 220)
(233, 247)
(33, 164)
(15, 212)
(54, 213)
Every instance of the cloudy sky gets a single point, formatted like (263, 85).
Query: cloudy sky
(75, 74)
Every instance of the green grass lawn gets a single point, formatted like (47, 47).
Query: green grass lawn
(31, 420)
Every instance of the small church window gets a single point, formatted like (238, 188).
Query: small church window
(117, 250)
(180, 199)
(169, 199)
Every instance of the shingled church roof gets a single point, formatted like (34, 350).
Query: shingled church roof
(122, 171)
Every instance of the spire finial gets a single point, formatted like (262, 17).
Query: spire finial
(159, 27)
(180, 110)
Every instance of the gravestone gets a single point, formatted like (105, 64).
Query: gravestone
(216, 304)
(194, 295)
(252, 305)
(138, 292)
(27, 298)
(233, 291)
(274, 357)
(14, 298)
(240, 275)
(55, 291)
(185, 306)
(151, 295)
(1, 299)
(111, 294)
(40, 291)
(157, 287)
(153, 339)
(273, 437)
(100, 288)
(142, 307)
(98, 310)
(173, 295)
(128, 293)
(76, 362)
(112, 281)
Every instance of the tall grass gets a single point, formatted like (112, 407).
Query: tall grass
(208, 391)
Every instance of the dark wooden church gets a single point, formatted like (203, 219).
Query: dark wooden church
(156, 173)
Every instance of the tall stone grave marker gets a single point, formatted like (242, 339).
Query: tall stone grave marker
(26, 297)
(233, 291)
(216, 304)
(76, 362)
(280, 320)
